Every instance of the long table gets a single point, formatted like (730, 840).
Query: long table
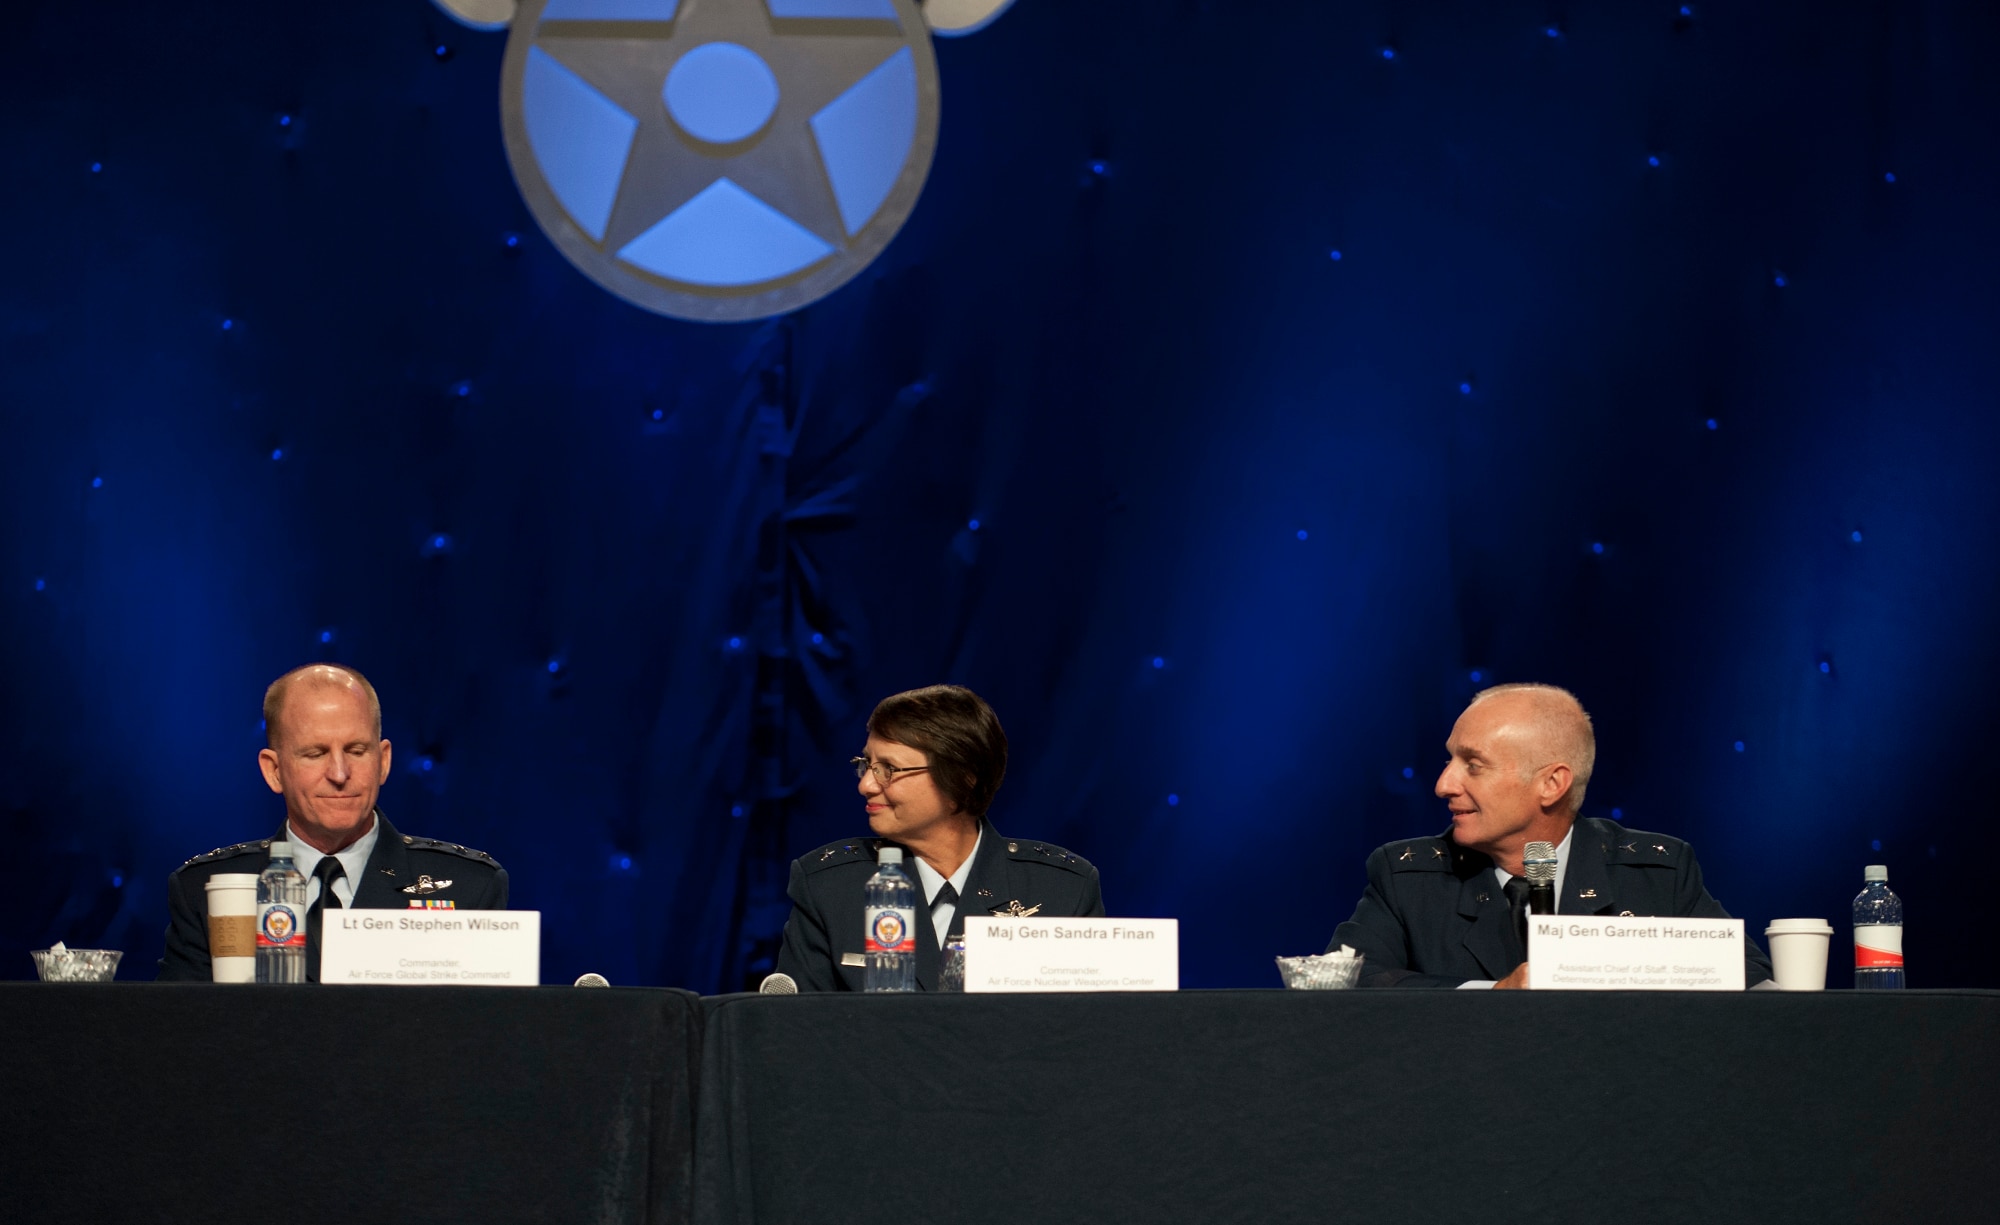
(354, 1105)
(200, 1103)
(1379, 1107)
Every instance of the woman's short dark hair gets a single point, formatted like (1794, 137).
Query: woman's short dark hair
(958, 734)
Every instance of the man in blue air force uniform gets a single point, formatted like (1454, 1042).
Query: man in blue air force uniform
(327, 757)
(1440, 912)
(933, 760)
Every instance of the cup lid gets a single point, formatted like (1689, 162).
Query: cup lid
(1788, 927)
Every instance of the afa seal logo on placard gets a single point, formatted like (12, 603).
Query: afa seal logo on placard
(720, 159)
(278, 926)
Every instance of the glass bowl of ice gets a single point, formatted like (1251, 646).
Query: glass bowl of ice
(67, 965)
(1335, 971)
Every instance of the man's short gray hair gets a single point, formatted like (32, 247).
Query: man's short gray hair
(1563, 733)
(318, 674)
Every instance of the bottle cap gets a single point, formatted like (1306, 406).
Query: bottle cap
(281, 850)
(1875, 871)
(889, 854)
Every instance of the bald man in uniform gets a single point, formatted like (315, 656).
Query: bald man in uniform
(326, 756)
(1437, 913)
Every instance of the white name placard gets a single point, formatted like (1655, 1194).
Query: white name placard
(1003, 954)
(456, 948)
(1609, 953)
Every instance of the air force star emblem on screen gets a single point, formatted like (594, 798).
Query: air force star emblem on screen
(720, 159)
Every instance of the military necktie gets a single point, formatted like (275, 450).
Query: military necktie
(1517, 911)
(327, 872)
(946, 896)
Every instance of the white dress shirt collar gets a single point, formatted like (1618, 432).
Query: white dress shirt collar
(353, 859)
(932, 881)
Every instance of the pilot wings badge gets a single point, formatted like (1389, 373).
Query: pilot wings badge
(426, 885)
(1014, 910)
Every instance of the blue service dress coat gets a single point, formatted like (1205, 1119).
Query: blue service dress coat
(393, 880)
(822, 948)
(1432, 915)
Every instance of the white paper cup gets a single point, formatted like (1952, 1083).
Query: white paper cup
(1798, 952)
(232, 927)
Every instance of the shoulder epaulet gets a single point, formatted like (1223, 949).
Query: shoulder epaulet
(449, 848)
(1049, 853)
(833, 854)
(1420, 855)
(224, 852)
(1638, 846)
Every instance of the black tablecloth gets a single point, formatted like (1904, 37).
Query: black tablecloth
(220, 1104)
(1367, 1106)
(347, 1105)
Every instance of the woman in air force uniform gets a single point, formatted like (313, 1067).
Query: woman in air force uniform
(933, 760)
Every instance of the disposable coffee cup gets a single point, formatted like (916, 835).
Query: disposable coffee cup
(1798, 953)
(232, 927)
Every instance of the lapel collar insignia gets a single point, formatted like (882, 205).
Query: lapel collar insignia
(426, 885)
(1014, 910)
(1587, 888)
(1486, 933)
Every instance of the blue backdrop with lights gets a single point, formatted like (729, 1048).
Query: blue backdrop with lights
(1252, 383)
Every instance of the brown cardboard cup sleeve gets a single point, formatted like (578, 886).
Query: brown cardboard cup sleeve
(232, 935)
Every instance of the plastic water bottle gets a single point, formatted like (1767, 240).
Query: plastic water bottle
(891, 941)
(1878, 934)
(281, 920)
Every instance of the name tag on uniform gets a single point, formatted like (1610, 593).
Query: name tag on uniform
(454, 948)
(1007, 954)
(1605, 953)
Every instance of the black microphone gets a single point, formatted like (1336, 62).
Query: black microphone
(1538, 864)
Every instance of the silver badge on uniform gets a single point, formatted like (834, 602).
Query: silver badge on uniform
(1014, 910)
(426, 885)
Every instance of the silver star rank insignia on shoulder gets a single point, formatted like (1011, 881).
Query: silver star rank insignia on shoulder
(426, 885)
(1014, 910)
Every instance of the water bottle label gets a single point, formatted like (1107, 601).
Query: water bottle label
(1878, 946)
(891, 929)
(278, 927)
